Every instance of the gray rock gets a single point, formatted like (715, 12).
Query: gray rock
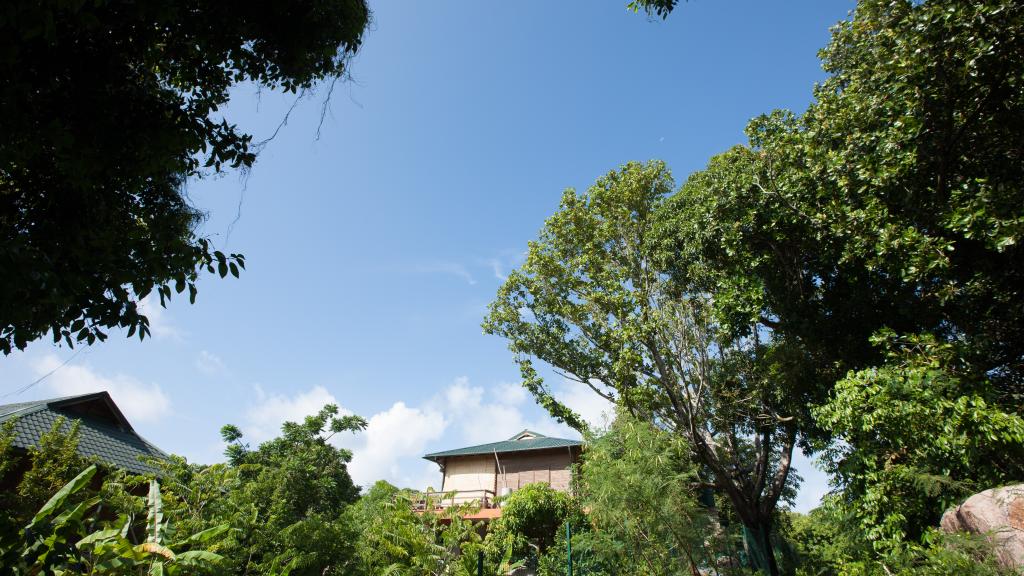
(997, 513)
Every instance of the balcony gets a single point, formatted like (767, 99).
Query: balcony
(441, 500)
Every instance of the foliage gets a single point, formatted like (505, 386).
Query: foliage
(55, 461)
(58, 539)
(34, 477)
(286, 499)
(917, 436)
(395, 539)
(659, 8)
(638, 484)
(8, 461)
(533, 519)
(108, 108)
(594, 300)
(889, 212)
(278, 509)
(892, 202)
(829, 546)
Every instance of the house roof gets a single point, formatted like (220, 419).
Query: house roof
(104, 432)
(525, 440)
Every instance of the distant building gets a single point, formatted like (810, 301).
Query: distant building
(480, 473)
(104, 432)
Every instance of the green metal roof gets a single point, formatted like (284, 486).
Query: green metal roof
(525, 440)
(104, 432)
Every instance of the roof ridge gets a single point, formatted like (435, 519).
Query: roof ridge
(525, 431)
(27, 408)
(505, 446)
(470, 447)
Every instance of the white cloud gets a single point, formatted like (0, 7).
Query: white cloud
(483, 416)
(210, 364)
(592, 407)
(160, 324)
(511, 393)
(264, 419)
(394, 438)
(498, 268)
(139, 401)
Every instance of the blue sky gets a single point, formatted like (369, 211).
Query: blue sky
(374, 248)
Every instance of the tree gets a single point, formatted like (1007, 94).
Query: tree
(639, 485)
(659, 8)
(534, 517)
(917, 438)
(595, 301)
(881, 231)
(290, 497)
(107, 109)
(892, 202)
(35, 476)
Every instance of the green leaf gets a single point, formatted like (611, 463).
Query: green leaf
(99, 536)
(203, 536)
(155, 517)
(198, 557)
(58, 499)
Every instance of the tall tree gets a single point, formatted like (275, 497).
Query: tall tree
(893, 202)
(594, 301)
(107, 108)
(881, 230)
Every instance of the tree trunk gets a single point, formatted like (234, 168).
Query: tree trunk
(758, 535)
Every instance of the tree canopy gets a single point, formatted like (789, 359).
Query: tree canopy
(849, 271)
(107, 108)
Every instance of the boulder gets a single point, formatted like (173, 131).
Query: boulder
(997, 513)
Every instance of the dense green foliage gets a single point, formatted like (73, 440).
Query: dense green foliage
(72, 534)
(533, 522)
(639, 485)
(892, 202)
(828, 545)
(107, 108)
(918, 437)
(41, 472)
(278, 509)
(849, 280)
(881, 229)
(397, 539)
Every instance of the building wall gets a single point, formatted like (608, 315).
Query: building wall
(552, 467)
(469, 474)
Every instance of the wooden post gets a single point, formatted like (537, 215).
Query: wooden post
(480, 563)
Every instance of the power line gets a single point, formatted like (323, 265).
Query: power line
(29, 386)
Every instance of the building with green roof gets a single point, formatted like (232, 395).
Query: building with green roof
(479, 473)
(104, 433)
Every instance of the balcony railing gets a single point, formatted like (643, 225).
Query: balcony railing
(484, 498)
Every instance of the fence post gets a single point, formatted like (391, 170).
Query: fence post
(480, 563)
(568, 548)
